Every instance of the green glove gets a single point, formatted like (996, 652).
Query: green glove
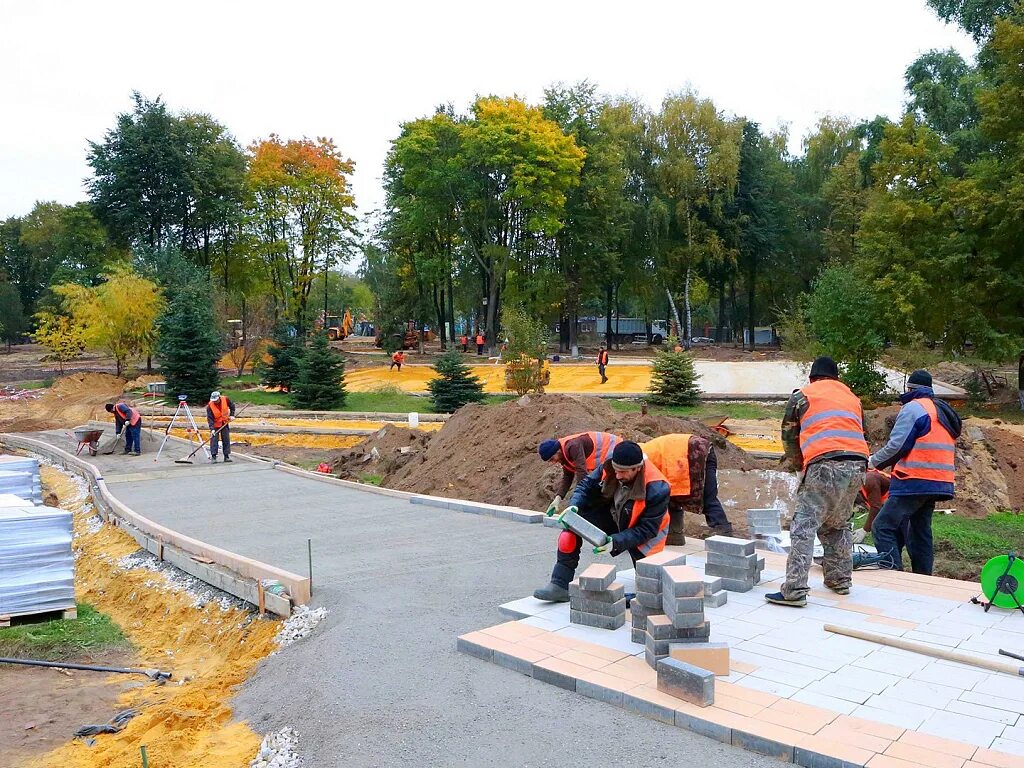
(604, 548)
(553, 506)
(565, 512)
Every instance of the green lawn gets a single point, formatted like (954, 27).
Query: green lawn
(60, 639)
(703, 410)
(963, 546)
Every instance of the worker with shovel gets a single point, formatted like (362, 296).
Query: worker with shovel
(628, 501)
(219, 412)
(130, 420)
(578, 455)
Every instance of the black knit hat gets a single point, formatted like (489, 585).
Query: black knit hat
(919, 378)
(627, 455)
(824, 367)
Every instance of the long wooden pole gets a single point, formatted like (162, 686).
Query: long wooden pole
(926, 650)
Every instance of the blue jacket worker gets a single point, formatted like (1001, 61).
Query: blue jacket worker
(130, 420)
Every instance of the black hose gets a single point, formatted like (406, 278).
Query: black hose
(152, 674)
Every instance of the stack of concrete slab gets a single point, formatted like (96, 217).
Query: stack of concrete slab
(715, 595)
(682, 620)
(648, 590)
(596, 600)
(37, 568)
(734, 562)
(20, 475)
(764, 522)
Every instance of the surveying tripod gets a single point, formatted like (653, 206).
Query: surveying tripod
(188, 423)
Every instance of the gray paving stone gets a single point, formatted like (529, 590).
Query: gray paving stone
(598, 607)
(650, 567)
(645, 584)
(503, 659)
(712, 584)
(688, 587)
(729, 545)
(661, 628)
(613, 594)
(596, 620)
(809, 759)
(714, 731)
(689, 620)
(648, 709)
(733, 561)
(649, 600)
(473, 649)
(638, 636)
(674, 605)
(653, 658)
(599, 692)
(736, 573)
(716, 600)
(737, 585)
(762, 745)
(597, 577)
(554, 678)
(686, 682)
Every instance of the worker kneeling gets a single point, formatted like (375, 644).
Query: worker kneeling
(629, 502)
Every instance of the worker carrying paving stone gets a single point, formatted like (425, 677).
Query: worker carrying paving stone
(219, 412)
(629, 502)
(823, 434)
(578, 455)
(689, 464)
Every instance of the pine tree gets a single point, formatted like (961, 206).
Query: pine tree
(673, 380)
(285, 355)
(320, 385)
(188, 345)
(454, 385)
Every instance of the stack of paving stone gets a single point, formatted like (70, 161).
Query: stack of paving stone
(37, 567)
(734, 562)
(764, 522)
(715, 595)
(682, 617)
(20, 475)
(648, 591)
(596, 600)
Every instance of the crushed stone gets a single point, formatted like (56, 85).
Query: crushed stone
(279, 750)
(300, 624)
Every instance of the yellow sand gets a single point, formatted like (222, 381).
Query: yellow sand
(748, 443)
(568, 379)
(187, 722)
(296, 440)
(426, 426)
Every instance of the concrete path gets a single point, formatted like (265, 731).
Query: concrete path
(380, 682)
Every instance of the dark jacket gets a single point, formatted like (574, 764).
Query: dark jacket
(600, 493)
(577, 449)
(912, 423)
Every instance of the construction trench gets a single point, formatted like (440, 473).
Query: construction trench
(358, 692)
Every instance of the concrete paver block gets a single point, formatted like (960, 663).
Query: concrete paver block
(681, 581)
(737, 585)
(712, 584)
(645, 584)
(638, 635)
(597, 620)
(726, 572)
(716, 599)
(613, 594)
(710, 656)
(729, 545)
(598, 607)
(675, 605)
(686, 681)
(733, 561)
(660, 627)
(652, 657)
(649, 600)
(598, 576)
(650, 567)
(685, 620)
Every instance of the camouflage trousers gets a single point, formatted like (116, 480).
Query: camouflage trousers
(824, 506)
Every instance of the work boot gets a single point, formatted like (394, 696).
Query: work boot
(136, 453)
(722, 530)
(843, 590)
(227, 459)
(552, 593)
(779, 599)
(676, 536)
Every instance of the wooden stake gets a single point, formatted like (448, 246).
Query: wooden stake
(261, 596)
(309, 553)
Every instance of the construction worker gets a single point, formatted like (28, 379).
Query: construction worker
(130, 420)
(922, 451)
(873, 494)
(219, 412)
(578, 455)
(464, 341)
(629, 502)
(397, 358)
(602, 361)
(480, 342)
(823, 434)
(689, 464)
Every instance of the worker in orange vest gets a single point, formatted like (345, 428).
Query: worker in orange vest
(602, 361)
(823, 435)
(922, 451)
(397, 358)
(464, 341)
(480, 343)
(872, 495)
(628, 501)
(578, 455)
(219, 412)
(130, 420)
(690, 465)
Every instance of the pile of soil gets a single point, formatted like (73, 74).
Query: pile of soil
(71, 401)
(489, 453)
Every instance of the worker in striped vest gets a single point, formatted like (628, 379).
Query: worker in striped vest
(629, 502)
(922, 451)
(823, 435)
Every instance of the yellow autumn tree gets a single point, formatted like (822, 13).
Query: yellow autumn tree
(61, 335)
(118, 316)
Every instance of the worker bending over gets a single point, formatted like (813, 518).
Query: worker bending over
(397, 358)
(689, 464)
(578, 455)
(219, 412)
(873, 494)
(130, 420)
(823, 434)
(629, 502)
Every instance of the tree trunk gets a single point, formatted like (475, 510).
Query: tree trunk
(608, 316)
(675, 311)
(689, 318)
(451, 302)
(574, 348)
(1020, 380)
(751, 298)
(732, 305)
(149, 363)
(492, 315)
(721, 309)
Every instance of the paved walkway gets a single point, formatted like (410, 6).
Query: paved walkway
(380, 683)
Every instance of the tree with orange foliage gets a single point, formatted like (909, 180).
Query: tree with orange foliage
(301, 209)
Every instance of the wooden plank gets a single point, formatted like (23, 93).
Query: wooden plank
(66, 613)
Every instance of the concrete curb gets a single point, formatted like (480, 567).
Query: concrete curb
(233, 573)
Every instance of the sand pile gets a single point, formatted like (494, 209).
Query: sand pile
(489, 453)
(71, 401)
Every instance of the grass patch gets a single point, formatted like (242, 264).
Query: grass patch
(963, 545)
(59, 639)
(257, 397)
(704, 410)
(40, 384)
(371, 479)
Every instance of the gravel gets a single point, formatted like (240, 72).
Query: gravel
(278, 750)
(300, 624)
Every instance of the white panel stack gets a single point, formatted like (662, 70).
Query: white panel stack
(20, 475)
(37, 567)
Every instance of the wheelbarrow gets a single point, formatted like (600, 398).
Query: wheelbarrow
(88, 437)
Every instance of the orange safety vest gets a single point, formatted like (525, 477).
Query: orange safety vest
(604, 442)
(132, 416)
(463, 340)
(479, 338)
(671, 455)
(864, 490)
(398, 357)
(221, 411)
(834, 421)
(602, 357)
(656, 543)
(933, 456)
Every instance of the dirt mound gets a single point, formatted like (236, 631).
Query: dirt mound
(71, 401)
(489, 453)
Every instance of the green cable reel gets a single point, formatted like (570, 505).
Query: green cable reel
(1002, 581)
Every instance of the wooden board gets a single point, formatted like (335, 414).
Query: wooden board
(65, 613)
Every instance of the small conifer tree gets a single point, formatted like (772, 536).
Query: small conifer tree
(454, 385)
(674, 379)
(320, 385)
(285, 355)
(188, 345)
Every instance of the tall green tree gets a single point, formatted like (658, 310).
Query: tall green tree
(189, 344)
(320, 385)
(12, 316)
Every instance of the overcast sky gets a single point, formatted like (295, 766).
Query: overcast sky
(354, 71)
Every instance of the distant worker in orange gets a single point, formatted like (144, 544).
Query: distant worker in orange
(397, 358)
(130, 420)
(578, 455)
(464, 341)
(219, 412)
(480, 341)
(602, 361)
(690, 465)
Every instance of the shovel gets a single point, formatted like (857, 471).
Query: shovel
(113, 445)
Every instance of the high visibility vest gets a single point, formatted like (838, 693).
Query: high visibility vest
(221, 411)
(602, 357)
(129, 414)
(864, 489)
(479, 338)
(933, 456)
(398, 357)
(834, 421)
(463, 340)
(656, 543)
(604, 442)
(671, 455)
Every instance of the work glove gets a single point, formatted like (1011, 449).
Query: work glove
(565, 512)
(553, 506)
(858, 535)
(604, 548)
